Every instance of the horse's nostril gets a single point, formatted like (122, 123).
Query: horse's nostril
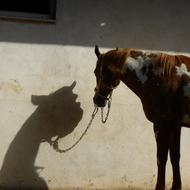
(99, 101)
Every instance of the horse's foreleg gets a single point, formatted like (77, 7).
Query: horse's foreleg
(162, 141)
(175, 157)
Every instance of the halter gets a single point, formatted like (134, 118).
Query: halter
(107, 98)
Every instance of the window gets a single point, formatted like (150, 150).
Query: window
(32, 10)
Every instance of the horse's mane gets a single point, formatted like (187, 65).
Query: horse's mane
(118, 56)
(165, 63)
(169, 62)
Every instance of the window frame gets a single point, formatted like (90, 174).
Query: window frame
(31, 17)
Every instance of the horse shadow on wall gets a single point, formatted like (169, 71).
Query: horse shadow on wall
(57, 115)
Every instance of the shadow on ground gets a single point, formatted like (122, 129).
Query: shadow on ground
(56, 115)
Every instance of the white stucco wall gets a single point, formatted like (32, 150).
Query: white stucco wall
(41, 60)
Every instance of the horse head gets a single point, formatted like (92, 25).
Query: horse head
(108, 74)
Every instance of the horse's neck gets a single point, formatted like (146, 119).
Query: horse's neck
(133, 76)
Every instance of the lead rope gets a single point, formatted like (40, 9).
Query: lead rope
(55, 142)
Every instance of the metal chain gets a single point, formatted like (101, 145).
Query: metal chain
(108, 111)
(55, 143)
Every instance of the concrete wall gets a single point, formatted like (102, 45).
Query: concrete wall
(55, 63)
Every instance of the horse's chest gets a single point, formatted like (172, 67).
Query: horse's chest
(159, 101)
(156, 108)
(162, 102)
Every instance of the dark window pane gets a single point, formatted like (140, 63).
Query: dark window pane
(29, 6)
(31, 10)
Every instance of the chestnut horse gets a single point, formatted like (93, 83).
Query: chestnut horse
(162, 82)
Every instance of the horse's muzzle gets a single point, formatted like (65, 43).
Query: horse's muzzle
(99, 100)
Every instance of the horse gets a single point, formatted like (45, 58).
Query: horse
(162, 82)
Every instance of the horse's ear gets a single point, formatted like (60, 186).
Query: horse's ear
(97, 52)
